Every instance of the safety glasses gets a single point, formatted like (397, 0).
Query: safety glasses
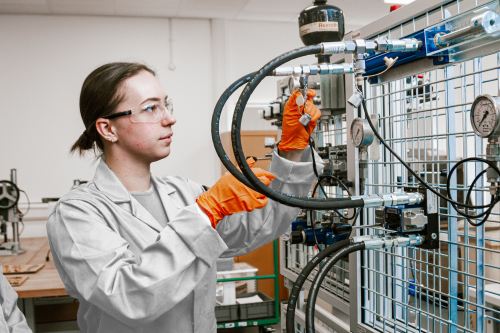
(150, 113)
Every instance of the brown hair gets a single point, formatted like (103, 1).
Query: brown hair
(100, 97)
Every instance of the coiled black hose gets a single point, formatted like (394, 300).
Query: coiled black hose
(493, 202)
(216, 131)
(318, 280)
(297, 286)
(286, 199)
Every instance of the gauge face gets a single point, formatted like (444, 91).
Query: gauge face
(361, 133)
(357, 133)
(484, 116)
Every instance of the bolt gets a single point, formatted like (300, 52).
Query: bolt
(434, 236)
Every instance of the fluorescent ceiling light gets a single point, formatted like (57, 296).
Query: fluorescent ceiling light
(399, 2)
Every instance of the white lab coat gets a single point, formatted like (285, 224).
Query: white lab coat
(132, 275)
(12, 319)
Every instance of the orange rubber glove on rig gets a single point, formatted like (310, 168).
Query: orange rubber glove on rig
(229, 196)
(294, 135)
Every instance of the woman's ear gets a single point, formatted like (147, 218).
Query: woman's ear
(106, 130)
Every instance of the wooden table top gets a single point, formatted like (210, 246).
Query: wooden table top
(45, 282)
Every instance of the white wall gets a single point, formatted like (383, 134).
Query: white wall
(44, 60)
(242, 47)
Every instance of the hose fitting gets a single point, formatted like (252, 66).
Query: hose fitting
(378, 45)
(387, 242)
(391, 199)
(322, 69)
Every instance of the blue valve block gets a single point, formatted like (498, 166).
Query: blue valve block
(324, 235)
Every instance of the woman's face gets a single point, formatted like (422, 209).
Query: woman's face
(149, 141)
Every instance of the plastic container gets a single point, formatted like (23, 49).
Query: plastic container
(226, 291)
(256, 310)
(225, 313)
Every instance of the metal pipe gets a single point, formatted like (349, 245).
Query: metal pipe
(486, 22)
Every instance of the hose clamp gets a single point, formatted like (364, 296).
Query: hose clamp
(283, 71)
(332, 48)
(396, 45)
(411, 44)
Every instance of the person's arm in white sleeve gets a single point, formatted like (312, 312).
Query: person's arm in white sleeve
(12, 320)
(244, 232)
(134, 290)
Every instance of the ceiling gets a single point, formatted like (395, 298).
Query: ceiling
(357, 12)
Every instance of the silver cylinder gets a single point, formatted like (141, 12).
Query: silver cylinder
(15, 232)
(13, 176)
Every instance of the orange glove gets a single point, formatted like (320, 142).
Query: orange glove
(294, 134)
(229, 196)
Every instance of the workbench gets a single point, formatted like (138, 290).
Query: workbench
(44, 283)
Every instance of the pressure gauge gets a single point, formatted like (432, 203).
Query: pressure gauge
(485, 116)
(361, 133)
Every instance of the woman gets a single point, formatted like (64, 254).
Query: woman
(139, 250)
(12, 319)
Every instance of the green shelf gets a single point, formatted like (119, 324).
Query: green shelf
(266, 321)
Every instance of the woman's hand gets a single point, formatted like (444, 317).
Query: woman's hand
(294, 134)
(229, 196)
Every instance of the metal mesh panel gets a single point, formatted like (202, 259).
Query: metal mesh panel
(426, 121)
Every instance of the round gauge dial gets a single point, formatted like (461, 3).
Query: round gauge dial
(485, 116)
(361, 133)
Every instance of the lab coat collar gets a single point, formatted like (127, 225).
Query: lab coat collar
(107, 182)
(166, 191)
(161, 184)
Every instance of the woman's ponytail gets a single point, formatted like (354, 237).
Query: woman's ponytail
(84, 143)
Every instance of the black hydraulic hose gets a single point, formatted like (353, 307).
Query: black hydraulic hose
(318, 280)
(355, 215)
(216, 130)
(286, 199)
(367, 116)
(494, 199)
(486, 214)
(318, 183)
(297, 286)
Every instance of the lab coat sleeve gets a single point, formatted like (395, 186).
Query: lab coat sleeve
(244, 232)
(12, 319)
(135, 290)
